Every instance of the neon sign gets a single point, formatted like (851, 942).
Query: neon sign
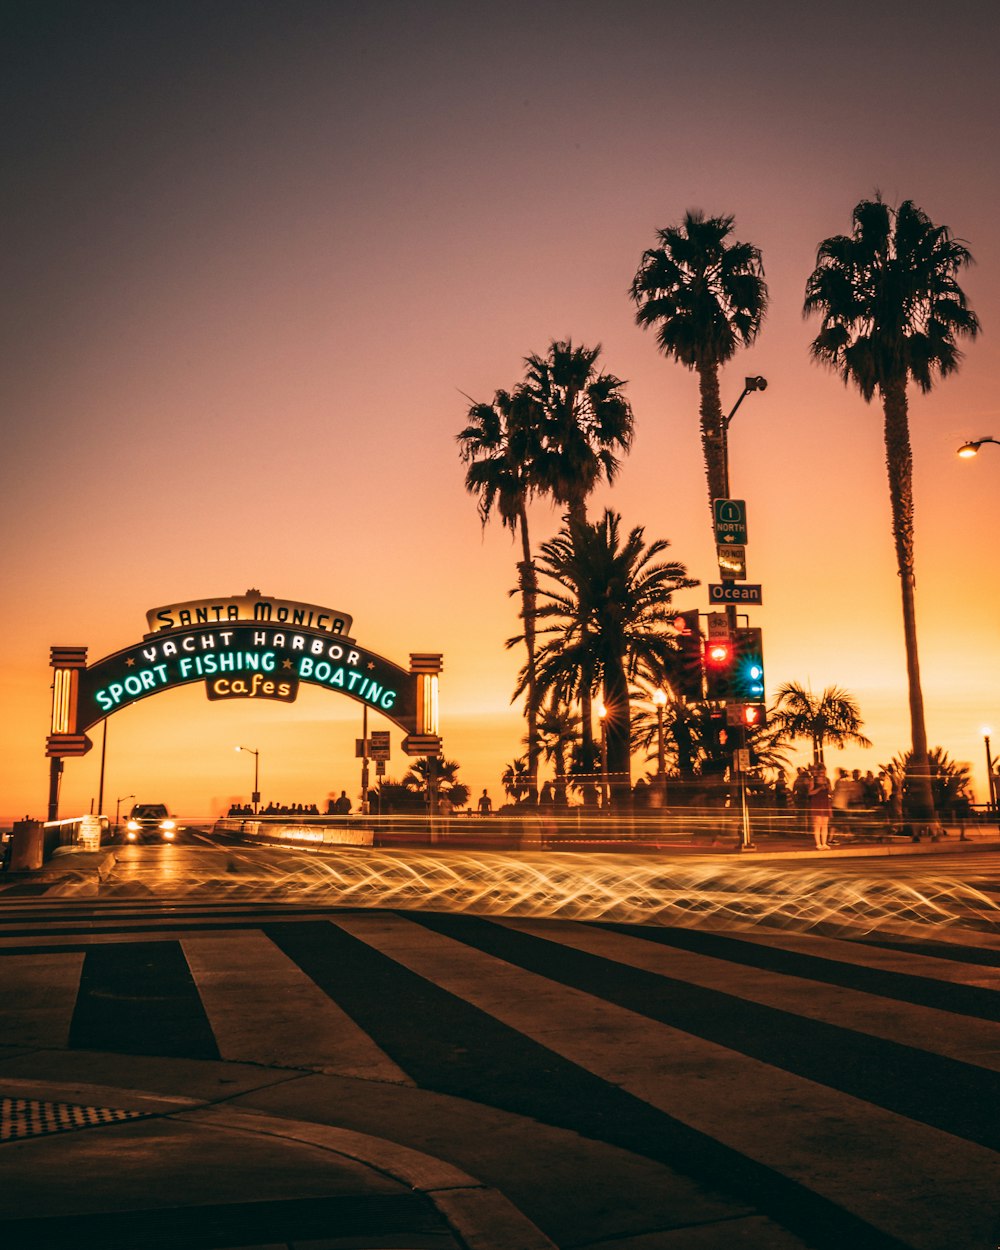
(242, 660)
(243, 647)
(253, 606)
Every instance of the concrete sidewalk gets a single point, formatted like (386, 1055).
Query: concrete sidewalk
(88, 1164)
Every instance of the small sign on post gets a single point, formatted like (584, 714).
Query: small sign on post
(718, 625)
(730, 516)
(732, 561)
(378, 744)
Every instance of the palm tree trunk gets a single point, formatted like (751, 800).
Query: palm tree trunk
(587, 735)
(899, 462)
(616, 728)
(712, 432)
(529, 589)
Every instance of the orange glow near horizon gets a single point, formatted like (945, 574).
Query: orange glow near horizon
(256, 268)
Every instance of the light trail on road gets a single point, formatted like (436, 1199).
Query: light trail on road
(608, 887)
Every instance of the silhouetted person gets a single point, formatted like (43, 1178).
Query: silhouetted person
(342, 805)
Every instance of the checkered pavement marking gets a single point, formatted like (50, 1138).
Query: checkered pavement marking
(31, 1117)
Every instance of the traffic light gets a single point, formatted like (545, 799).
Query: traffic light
(720, 655)
(689, 666)
(748, 667)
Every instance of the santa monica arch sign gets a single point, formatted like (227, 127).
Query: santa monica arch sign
(244, 647)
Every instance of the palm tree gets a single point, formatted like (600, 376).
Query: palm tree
(431, 777)
(834, 717)
(892, 311)
(557, 735)
(516, 779)
(502, 447)
(707, 297)
(950, 780)
(605, 612)
(586, 421)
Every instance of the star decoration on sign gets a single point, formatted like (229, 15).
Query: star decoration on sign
(130, 662)
(286, 664)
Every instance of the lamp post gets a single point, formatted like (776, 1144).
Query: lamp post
(602, 713)
(968, 450)
(990, 779)
(118, 807)
(749, 385)
(660, 700)
(256, 785)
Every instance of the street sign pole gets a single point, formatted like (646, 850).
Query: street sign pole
(364, 760)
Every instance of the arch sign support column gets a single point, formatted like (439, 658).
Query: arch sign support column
(243, 647)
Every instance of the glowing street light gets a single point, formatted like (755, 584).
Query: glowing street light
(256, 786)
(970, 449)
(602, 712)
(118, 806)
(660, 699)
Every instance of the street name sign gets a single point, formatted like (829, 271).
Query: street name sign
(735, 592)
(730, 521)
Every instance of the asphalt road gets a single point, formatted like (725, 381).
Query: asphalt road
(812, 1074)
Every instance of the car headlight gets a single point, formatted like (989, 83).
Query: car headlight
(133, 826)
(168, 824)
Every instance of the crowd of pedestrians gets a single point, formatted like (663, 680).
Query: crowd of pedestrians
(275, 809)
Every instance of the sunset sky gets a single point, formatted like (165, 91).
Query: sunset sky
(257, 255)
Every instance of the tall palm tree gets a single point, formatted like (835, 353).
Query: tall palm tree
(502, 446)
(892, 311)
(586, 423)
(833, 717)
(604, 611)
(586, 419)
(707, 297)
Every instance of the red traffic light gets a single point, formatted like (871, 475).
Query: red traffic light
(719, 652)
(752, 715)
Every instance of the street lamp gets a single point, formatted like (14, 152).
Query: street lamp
(749, 385)
(256, 786)
(118, 806)
(602, 712)
(970, 449)
(990, 780)
(660, 699)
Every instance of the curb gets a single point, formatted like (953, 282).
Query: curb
(480, 1216)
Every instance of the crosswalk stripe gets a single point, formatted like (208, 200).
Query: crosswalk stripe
(930, 1029)
(264, 1009)
(903, 957)
(718, 1092)
(37, 996)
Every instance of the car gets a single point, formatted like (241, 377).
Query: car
(150, 822)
